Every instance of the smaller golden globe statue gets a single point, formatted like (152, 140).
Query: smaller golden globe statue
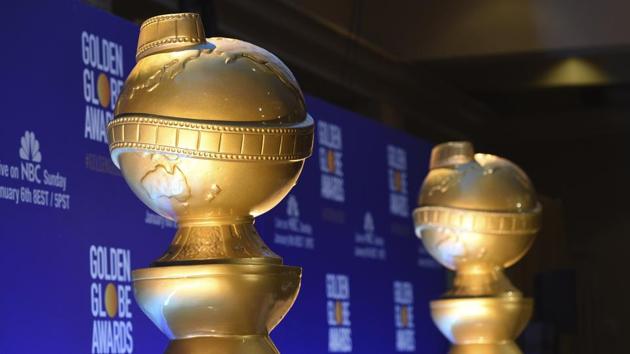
(211, 133)
(478, 214)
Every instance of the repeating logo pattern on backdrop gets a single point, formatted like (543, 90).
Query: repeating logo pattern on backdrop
(29, 182)
(367, 243)
(397, 170)
(110, 300)
(403, 317)
(292, 231)
(338, 311)
(331, 161)
(103, 78)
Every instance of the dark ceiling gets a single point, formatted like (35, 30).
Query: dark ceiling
(512, 76)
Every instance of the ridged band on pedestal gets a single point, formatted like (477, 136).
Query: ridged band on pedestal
(211, 141)
(219, 243)
(478, 221)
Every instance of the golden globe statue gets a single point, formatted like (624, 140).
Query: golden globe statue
(211, 133)
(478, 214)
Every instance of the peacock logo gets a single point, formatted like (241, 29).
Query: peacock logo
(368, 223)
(293, 210)
(29, 148)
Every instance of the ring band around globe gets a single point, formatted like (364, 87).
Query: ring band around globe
(477, 221)
(220, 141)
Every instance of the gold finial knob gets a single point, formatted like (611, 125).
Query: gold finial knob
(166, 32)
(451, 153)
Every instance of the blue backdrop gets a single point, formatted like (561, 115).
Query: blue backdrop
(72, 230)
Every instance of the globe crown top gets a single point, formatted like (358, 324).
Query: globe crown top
(181, 74)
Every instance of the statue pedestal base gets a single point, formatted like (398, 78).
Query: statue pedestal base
(224, 344)
(486, 325)
(218, 308)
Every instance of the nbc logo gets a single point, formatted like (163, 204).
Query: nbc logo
(293, 210)
(330, 161)
(397, 170)
(48, 189)
(29, 152)
(368, 223)
(367, 243)
(338, 310)
(291, 231)
(403, 317)
(29, 148)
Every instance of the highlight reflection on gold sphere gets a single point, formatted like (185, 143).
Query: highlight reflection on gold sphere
(103, 90)
(111, 300)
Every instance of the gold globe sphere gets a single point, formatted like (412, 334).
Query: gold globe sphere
(476, 210)
(211, 133)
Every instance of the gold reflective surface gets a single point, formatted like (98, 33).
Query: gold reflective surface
(211, 133)
(217, 299)
(219, 79)
(478, 214)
